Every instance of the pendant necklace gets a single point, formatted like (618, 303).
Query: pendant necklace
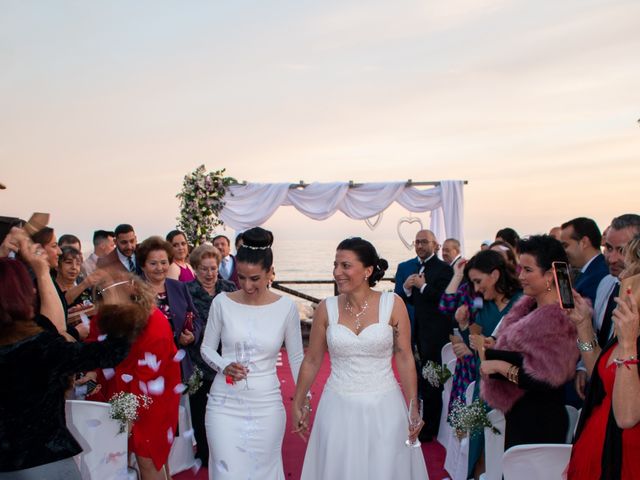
(349, 308)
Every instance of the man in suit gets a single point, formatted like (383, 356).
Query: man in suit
(622, 229)
(432, 328)
(405, 269)
(123, 257)
(227, 268)
(581, 239)
(451, 251)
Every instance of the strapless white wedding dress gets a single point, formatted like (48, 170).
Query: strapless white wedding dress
(361, 425)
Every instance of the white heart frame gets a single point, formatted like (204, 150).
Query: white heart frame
(409, 221)
(373, 225)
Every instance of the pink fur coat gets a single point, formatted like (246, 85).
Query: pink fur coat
(546, 338)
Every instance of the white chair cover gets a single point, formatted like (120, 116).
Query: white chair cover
(444, 430)
(456, 462)
(573, 415)
(494, 446)
(104, 455)
(542, 461)
(181, 456)
(447, 354)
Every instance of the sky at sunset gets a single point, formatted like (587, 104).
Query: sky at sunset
(105, 106)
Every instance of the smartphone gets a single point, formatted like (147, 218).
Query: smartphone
(562, 276)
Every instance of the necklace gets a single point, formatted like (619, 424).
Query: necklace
(349, 308)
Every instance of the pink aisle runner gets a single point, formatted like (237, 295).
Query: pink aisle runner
(293, 447)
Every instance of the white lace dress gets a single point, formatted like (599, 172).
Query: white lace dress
(361, 423)
(245, 427)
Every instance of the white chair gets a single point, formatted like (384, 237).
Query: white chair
(447, 353)
(181, 455)
(541, 461)
(494, 446)
(444, 430)
(104, 455)
(573, 415)
(456, 462)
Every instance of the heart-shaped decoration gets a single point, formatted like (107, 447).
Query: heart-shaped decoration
(373, 225)
(408, 221)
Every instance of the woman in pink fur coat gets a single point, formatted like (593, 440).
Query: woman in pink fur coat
(535, 353)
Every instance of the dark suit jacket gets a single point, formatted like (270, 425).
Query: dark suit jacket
(588, 282)
(180, 303)
(406, 268)
(432, 327)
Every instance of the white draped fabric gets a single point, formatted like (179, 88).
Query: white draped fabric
(253, 204)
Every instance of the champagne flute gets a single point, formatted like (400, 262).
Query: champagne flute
(243, 357)
(414, 414)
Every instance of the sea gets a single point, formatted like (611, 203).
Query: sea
(313, 260)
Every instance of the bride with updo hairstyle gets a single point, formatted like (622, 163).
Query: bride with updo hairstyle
(362, 424)
(245, 417)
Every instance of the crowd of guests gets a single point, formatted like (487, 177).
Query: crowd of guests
(529, 356)
(132, 317)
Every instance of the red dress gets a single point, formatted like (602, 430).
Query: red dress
(151, 357)
(586, 455)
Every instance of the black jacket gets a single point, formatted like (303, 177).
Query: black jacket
(34, 374)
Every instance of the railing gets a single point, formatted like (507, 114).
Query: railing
(280, 285)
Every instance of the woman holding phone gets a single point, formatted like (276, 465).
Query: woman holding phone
(608, 434)
(535, 354)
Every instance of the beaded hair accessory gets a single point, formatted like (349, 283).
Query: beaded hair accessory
(251, 247)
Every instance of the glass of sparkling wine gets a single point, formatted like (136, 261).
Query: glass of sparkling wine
(243, 357)
(414, 414)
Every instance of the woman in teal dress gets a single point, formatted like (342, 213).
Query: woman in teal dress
(495, 282)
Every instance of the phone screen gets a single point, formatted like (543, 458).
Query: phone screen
(563, 284)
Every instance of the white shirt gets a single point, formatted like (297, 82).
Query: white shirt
(586, 265)
(125, 260)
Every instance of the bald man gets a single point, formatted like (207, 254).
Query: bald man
(432, 328)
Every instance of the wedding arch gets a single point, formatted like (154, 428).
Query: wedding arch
(215, 199)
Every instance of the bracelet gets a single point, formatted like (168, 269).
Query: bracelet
(632, 360)
(587, 346)
(513, 373)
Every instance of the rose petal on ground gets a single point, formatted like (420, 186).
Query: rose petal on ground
(170, 435)
(108, 373)
(179, 388)
(101, 337)
(126, 378)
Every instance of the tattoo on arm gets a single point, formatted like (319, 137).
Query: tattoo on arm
(396, 334)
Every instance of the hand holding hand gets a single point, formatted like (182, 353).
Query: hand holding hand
(300, 419)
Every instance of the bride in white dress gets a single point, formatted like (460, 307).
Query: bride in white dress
(245, 427)
(361, 425)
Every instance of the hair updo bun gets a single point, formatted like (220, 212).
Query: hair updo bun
(256, 248)
(366, 254)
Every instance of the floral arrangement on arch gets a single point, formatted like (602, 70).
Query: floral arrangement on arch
(201, 201)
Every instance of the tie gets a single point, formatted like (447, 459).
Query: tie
(423, 265)
(132, 267)
(603, 334)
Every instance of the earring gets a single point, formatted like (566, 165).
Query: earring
(548, 286)
(366, 278)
